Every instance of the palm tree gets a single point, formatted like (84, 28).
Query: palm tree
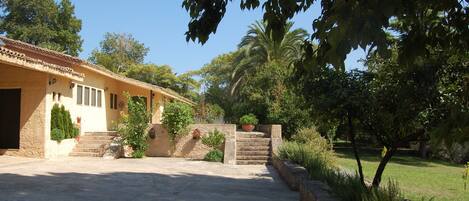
(258, 48)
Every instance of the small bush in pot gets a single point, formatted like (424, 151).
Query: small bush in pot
(248, 122)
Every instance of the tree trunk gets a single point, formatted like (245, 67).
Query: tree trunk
(382, 164)
(355, 149)
(423, 149)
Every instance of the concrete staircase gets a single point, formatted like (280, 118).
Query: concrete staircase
(253, 148)
(92, 144)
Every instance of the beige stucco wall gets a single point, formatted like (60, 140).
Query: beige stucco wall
(95, 118)
(33, 104)
(56, 149)
(186, 146)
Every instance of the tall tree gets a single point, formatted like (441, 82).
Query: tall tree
(119, 51)
(253, 79)
(258, 48)
(42, 23)
(163, 75)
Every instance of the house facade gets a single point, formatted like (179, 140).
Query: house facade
(33, 79)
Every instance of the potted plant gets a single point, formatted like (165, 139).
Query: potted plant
(248, 122)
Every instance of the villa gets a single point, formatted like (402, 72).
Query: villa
(33, 79)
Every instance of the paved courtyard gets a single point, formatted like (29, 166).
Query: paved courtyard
(136, 179)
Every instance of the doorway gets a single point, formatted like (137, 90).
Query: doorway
(10, 108)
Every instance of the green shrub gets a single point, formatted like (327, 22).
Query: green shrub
(138, 154)
(320, 165)
(214, 155)
(176, 118)
(308, 135)
(214, 139)
(57, 135)
(134, 125)
(209, 113)
(248, 119)
(75, 132)
(62, 120)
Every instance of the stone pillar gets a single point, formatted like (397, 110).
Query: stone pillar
(230, 146)
(275, 137)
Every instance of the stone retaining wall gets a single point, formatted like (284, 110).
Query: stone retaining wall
(188, 147)
(297, 179)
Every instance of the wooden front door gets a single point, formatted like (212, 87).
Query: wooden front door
(10, 102)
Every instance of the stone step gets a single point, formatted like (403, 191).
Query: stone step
(252, 162)
(254, 143)
(80, 149)
(251, 134)
(85, 154)
(250, 158)
(240, 139)
(86, 141)
(89, 145)
(252, 148)
(96, 137)
(253, 153)
(102, 133)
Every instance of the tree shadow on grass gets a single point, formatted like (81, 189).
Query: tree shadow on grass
(118, 186)
(398, 158)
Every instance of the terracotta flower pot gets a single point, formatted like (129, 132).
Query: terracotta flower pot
(248, 127)
(196, 134)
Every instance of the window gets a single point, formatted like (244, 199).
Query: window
(112, 101)
(58, 97)
(53, 96)
(115, 101)
(93, 97)
(99, 98)
(79, 94)
(87, 96)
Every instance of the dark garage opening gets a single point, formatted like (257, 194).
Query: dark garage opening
(10, 101)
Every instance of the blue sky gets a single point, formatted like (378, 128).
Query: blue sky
(161, 25)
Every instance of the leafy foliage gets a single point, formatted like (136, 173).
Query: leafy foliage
(134, 125)
(214, 155)
(320, 164)
(118, 52)
(176, 118)
(61, 120)
(57, 135)
(254, 79)
(214, 139)
(248, 119)
(209, 113)
(346, 25)
(43, 23)
(310, 136)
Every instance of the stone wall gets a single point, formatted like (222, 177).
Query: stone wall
(274, 132)
(298, 179)
(56, 149)
(33, 104)
(188, 147)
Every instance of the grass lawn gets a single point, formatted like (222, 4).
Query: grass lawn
(416, 177)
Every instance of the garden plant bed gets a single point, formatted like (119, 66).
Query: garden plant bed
(298, 179)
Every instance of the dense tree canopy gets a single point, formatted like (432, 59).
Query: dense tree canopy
(42, 23)
(123, 54)
(254, 79)
(119, 51)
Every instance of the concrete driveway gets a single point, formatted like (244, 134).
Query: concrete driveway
(137, 179)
